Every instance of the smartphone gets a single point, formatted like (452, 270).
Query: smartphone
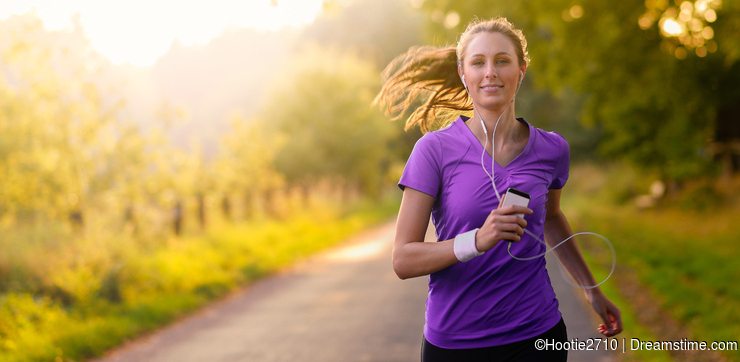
(516, 197)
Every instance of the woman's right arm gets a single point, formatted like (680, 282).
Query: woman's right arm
(412, 257)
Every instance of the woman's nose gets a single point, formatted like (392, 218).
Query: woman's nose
(491, 73)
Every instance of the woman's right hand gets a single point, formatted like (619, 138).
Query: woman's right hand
(501, 224)
(412, 257)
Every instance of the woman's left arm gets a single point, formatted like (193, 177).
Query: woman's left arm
(558, 229)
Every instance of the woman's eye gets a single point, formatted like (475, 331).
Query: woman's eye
(502, 61)
(478, 62)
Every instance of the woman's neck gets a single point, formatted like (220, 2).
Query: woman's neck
(507, 130)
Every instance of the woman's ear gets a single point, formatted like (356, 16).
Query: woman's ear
(521, 74)
(462, 78)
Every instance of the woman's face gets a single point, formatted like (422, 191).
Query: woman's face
(491, 70)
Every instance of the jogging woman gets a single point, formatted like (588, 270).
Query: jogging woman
(483, 304)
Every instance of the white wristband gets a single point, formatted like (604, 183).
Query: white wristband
(464, 246)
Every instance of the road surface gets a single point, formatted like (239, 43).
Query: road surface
(344, 305)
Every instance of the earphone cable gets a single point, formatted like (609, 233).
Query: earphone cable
(498, 195)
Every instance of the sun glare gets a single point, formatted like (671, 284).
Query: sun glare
(672, 28)
(686, 26)
(141, 31)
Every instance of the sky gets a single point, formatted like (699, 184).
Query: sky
(139, 31)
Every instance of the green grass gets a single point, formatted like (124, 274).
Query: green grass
(632, 328)
(117, 293)
(686, 258)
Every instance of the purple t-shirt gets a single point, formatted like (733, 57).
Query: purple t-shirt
(492, 299)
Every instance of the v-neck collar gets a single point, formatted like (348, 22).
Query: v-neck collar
(479, 147)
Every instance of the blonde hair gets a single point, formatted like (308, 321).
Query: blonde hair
(429, 74)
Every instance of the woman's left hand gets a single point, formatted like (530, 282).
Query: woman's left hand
(609, 313)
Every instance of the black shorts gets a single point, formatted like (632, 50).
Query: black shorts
(522, 351)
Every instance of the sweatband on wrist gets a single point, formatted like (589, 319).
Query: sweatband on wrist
(464, 246)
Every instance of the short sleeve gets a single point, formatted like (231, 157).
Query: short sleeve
(560, 174)
(423, 171)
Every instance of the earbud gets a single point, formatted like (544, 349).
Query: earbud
(463, 81)
(521, 76)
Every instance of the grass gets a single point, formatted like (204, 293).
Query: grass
(97, 299)
(682, 262)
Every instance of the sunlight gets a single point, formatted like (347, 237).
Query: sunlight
(672, 28)
(139, 32)
(686, 26)
(359, 252)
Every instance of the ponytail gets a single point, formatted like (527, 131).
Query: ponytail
(426, 74)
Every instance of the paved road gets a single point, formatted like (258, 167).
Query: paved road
(345, 305)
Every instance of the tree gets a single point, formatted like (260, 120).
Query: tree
(245, 164)
(655, 94)
(66, 152)
(377, 30)
(323, 107)
(57, 130)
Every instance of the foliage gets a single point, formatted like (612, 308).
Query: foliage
(246, 161)
(65, 151)
(656, 107)
(55, 128)
(88, 200)
(323, 106)
(376, 31)
(116, 288)
(689, 269)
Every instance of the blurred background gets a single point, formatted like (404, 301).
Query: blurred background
(155, 156)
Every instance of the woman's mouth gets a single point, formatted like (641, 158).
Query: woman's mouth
(491, 87)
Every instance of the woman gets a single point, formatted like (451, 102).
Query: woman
(483, 304)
